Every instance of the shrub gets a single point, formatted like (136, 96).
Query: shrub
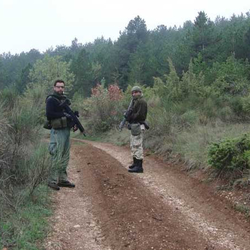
(189, 118)
(103, 110)
(245, 106)
(48, 69)
(23, 161)
(231, 155)
(8, 98)
(226, 113)
(237, 104)
(230, 77)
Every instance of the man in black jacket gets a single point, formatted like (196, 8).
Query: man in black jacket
(137, 124)
(59, 146)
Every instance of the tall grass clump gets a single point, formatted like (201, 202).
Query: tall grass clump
(24, 165)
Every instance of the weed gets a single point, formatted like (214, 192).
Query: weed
(242, 209)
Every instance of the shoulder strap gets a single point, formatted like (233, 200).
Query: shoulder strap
(52, 96)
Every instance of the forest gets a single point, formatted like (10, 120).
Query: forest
(139, 55)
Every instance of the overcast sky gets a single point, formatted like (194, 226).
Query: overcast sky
(41, 24)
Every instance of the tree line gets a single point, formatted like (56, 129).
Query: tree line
(139, 55)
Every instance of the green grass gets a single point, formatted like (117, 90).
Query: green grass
(193, 144)
(26, 228)
(242, 209)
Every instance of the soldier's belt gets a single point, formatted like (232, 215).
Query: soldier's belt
(59, 123)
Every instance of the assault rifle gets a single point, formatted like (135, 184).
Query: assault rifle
(127, 114)
(73, 115)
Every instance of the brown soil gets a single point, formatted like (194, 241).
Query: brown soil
(163, 208)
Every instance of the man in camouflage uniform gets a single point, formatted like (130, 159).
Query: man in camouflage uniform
(137, 124)
(59, 146)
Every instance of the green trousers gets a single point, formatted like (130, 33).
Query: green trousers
(59, 148)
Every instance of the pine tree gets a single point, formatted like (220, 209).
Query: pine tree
(82, 69)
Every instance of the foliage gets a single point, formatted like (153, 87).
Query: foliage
(103, 108)
(21, 165)
(25, 228)
(8, 98)
(178, 89)
(24, 164)
(49, 69)
(140, 55)
(245, 105)
(231, 155)
(13, 68)
(231, 77)
(82, 69)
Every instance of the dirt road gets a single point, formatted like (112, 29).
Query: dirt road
(163, 208)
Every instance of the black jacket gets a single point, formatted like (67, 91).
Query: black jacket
(53, 109)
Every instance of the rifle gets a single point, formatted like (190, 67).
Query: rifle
(73, 115)
(127, 114)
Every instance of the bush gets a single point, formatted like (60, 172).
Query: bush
(231, 155)
(189, 118)
(26, 228)
(226, 113)
(23, 160)
(237, 105)
(103, 110)
(245, 106)
(8, 98)
(230, 77)
(24, 163)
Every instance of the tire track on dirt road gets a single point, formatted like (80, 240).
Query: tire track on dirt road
(163, 208)
(194, 206)
(130, 216)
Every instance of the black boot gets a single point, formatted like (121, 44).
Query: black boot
(66, 184)
(133, 165)
(54, 186)
(138, 167)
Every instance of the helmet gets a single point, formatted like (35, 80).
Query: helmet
(136, 88)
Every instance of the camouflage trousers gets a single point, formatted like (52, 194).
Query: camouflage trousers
(136, 146)
(59, 148)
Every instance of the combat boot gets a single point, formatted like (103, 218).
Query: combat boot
(54, 186)
(133, 165)
(138, 167)
(65, 183)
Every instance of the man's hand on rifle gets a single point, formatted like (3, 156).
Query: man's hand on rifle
(75, 128)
